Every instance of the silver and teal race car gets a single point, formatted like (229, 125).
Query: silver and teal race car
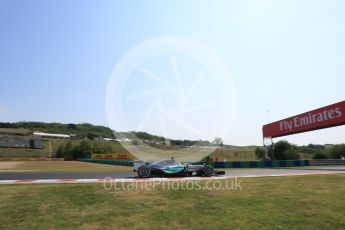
(172, 168)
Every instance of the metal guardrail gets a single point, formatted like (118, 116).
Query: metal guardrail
(110, 162)
(322, 162)
(30, 159)
(260, 164)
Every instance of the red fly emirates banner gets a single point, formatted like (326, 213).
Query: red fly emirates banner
(328, 116)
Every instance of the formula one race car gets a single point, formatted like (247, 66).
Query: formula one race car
(172, 168)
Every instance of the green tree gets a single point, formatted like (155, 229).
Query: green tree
(337, 151)
(68, 151)
(84, 150)
(260, 153)
(320, 155)
(60, 153)
(217, 141)
(283, 150)
(91, 136)
(292, 154)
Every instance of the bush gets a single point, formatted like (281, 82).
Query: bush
(311, 148)
(60, 152)
(320, 155)
(69, 152)
(283, 150)
(337, 151)
(292, 154)
(260, 153)
(278, 150)
(84, 150)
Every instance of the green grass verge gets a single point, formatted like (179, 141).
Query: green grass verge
(305, 202)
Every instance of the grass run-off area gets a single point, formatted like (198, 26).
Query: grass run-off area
(303, 202)
(58, 166)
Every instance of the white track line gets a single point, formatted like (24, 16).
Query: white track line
(127, 180)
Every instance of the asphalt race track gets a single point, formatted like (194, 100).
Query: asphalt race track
(122, 174)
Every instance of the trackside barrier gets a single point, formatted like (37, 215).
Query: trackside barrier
(234, 164)
(110, 162)
(258, 164)
(30, 159)
(115, 156)
(322, 162)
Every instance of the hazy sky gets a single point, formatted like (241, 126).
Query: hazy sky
(285, 57)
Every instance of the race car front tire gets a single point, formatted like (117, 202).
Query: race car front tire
(208, 171)
(144, 171)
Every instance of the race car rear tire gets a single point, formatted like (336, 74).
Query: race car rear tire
(208, 171)
(144, 172)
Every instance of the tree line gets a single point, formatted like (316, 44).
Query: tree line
(84, 130)
(83, 150)
(284, 150)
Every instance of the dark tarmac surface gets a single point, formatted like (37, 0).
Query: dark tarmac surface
(122, 174)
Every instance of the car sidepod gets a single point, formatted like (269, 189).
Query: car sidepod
(174, 170)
